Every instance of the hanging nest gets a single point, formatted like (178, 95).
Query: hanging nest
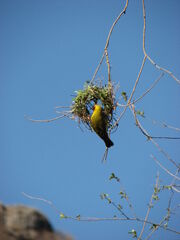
(91, 94)
(82, 105)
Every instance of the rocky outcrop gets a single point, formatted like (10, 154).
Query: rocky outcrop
(24, 223)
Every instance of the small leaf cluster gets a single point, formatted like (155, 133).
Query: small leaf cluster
(106, 197)
(62, 215)
(154, 226)
(140, 113)
(124, 95)
(155, 194)
(133, 233)
(123, 195)
(113, 176)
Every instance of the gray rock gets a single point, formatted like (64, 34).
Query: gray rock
(25, 223)
(24, 218)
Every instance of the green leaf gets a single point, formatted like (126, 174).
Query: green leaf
(141, 113)
(123, 195)
(133, 233)
(165, 225)
(156, 190)
(124, 95)
(62, 215)
(119, 207)
(103, 195)
(155, 197)
(78, 217)
(167, 187)
(154, 226)
(112, 176)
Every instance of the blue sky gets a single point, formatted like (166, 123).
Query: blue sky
(48, 49)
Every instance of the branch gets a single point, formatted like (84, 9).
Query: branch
(165, 169)
(144, 94)
(144, 49)
(67, 114)
(107, 44)
(132, 93)
(42, 200)
(115, 206)
(164, 125)
(167, 216)
(175, 189)
(132, 108)
(149, 209)
(93, 219)
(124, 194)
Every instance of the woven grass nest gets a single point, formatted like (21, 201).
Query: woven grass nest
(91, 94)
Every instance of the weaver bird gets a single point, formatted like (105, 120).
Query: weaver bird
(99, 125)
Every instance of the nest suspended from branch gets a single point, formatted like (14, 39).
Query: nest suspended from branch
(91, 94)
(82, 105)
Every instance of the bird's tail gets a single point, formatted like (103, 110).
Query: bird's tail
(108, 142)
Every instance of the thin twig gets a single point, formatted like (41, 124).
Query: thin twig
(175, 189)
(48, 120)
(62, 107)
(126, 197)
(149, 209)
(132, 93)
(165, 169)
(165, 153)
(97, 69)
(119, 209)
(94, 219)
(131, 207)
(165, 137)
(164, 125)
(171, 127)
(132, 108)
(107, 42)
(144, 94)
(144, 49)
(117, 19)
(167, 216)
(145, 132)
(41, 199)
(157, 227)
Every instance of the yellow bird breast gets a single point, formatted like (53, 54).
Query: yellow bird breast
(99, 125)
